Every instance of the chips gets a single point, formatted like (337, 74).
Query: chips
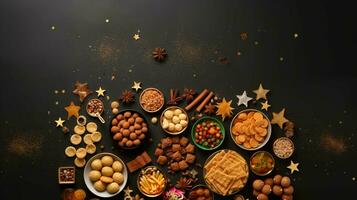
(226, 172)
(250, 129)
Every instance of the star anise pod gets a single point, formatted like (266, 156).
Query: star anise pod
(210, 109)
(289, 129)
(159, 54)
(184, 183)
(174, 97)
(127, 96)
(188, 94)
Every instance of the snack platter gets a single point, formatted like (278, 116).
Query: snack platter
(175, 147)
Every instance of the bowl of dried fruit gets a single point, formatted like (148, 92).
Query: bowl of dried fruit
(174, 120)
(208, 133)
(250, 129)
(151, 181)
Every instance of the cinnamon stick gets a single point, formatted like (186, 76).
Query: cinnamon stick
(204, 102)
(197, 99)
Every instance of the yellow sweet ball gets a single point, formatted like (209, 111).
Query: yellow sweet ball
(107, 161)
(107, 171)
(99, 186)
(117, 166)
(96, 164)
(118, 178)
(113, 188)
(94, 175)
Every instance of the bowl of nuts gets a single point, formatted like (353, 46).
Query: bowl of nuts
(151, 100)
(250, 129)
(129, 128)
(174, 120)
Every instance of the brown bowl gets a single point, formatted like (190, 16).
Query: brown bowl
(162, 119)
(256, 172)
(144, 171)
(151, 111)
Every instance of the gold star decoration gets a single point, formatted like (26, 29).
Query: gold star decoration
(136, 86)
(265, 105)
(278, 118)
(127, 191)
(100, 92)
(261, 92)
(72, 110)
(224, 109)
(293, 167)
(82, 90)
(136, 36)
(59, 122)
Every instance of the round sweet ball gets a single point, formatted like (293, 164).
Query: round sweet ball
(182, 116)
(99, 186)
(113, 188)
(118, 178)
(117, 166)
(96, 164)
(168, 114)
(107, 161)
(177, 112)
(94, 175)
(107, 171)
(178, 127)
(176, 120)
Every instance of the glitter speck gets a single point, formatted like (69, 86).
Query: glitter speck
(281, 59)
(56, 103)
(63, 91)
(353, 178)
(256, 42)
(296, 35)
(130, 70)
(239, 53)
(56, 91)
(53, 28)
(106, 20)
(194, 75)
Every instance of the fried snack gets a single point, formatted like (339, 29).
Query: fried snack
(70, 151)
(250, 129)
(91, 148)
(226, 172)
(152, 181)
(76, 139)
(81, 153)
(96, 136)
(88, 139)
(79, 129)
(91, 127)
(79, 162)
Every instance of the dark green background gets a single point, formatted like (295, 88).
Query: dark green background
(315, 81)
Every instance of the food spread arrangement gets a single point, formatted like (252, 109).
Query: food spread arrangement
(184, 132)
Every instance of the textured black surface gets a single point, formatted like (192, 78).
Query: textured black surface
(314, 82)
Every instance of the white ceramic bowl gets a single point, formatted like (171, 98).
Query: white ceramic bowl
(90, 184)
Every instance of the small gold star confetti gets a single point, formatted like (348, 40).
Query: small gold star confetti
(72, 110)
(136, 36)
(293, 167)
(243, 99)
(261, 92)
(136, 86)
(106, 20)
(100, 92)
(244, 36)
(265, 105)
(278, 118)
(296, 35)
(59, 122)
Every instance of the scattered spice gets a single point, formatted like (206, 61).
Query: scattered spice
(24, 145)
(159, 54)
(65, 129)
(244, 36)
(289, 129)
(174, 97)
(184, 183)
(223, 60)
(333, 144)
(188, 94)
(210, 109)
(127, 96)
